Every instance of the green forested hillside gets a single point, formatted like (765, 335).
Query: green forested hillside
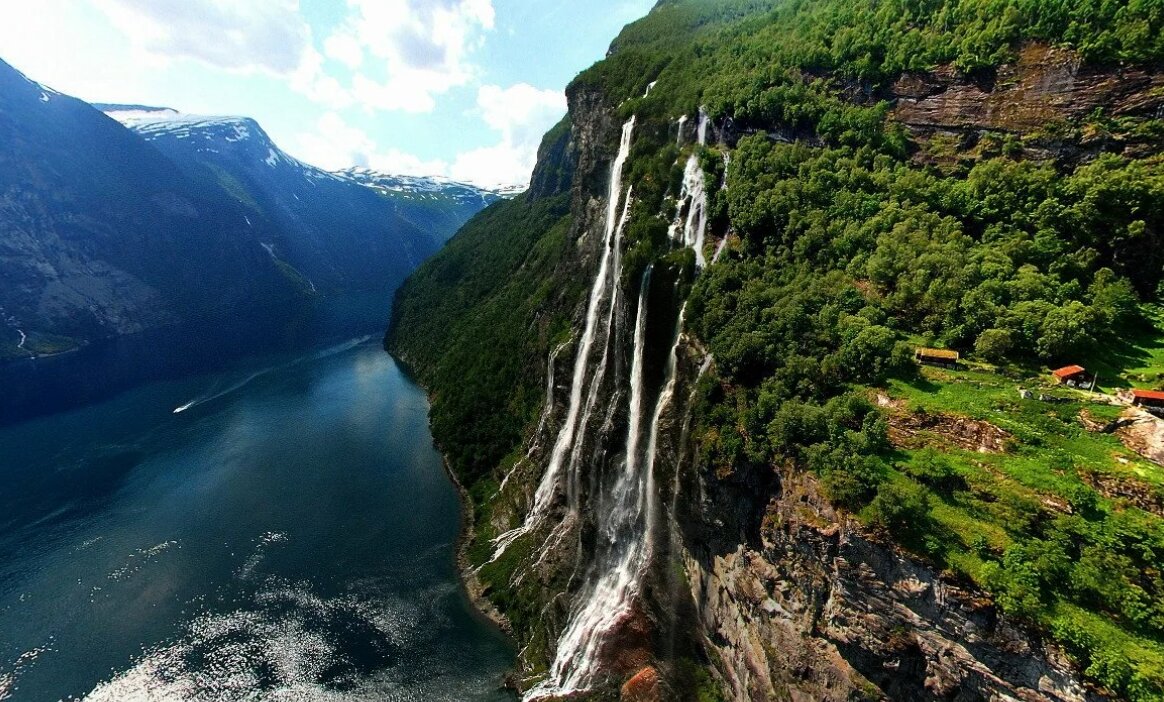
(848, 246)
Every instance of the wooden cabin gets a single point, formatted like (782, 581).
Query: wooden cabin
(938, 357)
(1148, 399)
(1074, 376)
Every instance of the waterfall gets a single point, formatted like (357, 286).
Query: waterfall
(574, 470)
(547, 411)
(690, 225)
(661, 405)
(605, 285)
(623, 549)
(690, 230)
(548, 407)
(679, 137)
(624, 504)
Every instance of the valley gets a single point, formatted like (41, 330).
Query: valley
(821, 358)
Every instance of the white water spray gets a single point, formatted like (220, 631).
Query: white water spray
(547, 410)
(605, 284)
(574, 482)
(623, 551)
(23, 339)
(690, 229)
(690, 225)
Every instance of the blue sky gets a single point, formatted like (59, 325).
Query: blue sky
(460, 88)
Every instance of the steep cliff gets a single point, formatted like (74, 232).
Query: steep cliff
(656, 377)
(107, 230)
(96, 226)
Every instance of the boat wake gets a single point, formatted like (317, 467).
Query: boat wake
(215, 394)
(211, 395)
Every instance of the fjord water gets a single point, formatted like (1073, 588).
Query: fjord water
(289, 535)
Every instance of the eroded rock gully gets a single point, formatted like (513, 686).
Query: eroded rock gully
(814, 610)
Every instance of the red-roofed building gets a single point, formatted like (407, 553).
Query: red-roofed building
(1152, 399)
(1075, 376)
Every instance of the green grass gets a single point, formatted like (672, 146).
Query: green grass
(1136, 359)
(992, 507)
(1050, 443)
(1107, 651)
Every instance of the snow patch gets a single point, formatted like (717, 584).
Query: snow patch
(429, 187)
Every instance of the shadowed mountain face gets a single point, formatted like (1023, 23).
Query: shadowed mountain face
(117, 223)
(327, 231)
(101, 234)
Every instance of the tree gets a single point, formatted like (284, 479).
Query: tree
(1065, 332)
(994, 344)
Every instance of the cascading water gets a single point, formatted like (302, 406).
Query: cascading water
(626, 515)
(691, 230)
(547, 410)
(605, 286)
(574, 472)
(623, 516)
(624, 506)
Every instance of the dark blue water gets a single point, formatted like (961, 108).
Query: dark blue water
(289, 536)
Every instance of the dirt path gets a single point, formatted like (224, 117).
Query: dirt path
(1143, 434)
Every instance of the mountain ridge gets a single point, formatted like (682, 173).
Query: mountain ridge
(805, 539)
(226, 223)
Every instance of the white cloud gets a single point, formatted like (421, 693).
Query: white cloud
(336, 145)
(521, 114)
(257, 35)
(410, 51)
(345, 49)
(385, 55)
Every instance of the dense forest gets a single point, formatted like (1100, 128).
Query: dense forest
(852, 239)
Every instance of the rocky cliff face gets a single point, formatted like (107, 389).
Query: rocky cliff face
(1042, 96)
(1044, 85)
(810, 608)
(750, 573)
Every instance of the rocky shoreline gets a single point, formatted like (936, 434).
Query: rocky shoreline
(472, 585)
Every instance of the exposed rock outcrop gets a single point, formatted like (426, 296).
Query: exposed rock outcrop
(1044, 85)
(817, 611)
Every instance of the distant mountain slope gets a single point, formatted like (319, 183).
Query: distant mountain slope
(442, 204)
(109, 228)
(101, 234)
(327, 228)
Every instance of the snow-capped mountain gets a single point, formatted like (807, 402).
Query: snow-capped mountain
(428, 186)
(105, 235)
(334, 231)
(112, 226)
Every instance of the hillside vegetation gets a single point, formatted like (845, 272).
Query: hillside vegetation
(848, 247)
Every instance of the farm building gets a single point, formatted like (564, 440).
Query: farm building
(938, 357)
(1075, 376)
(1148, 399)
